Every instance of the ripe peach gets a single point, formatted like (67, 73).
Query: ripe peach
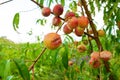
(52, 40)
(81, 48)
(95, 55)
(79, 31)
(101, 33)
(105, 55)
(56, 21)
(83, 21)
(67, 29)
(94, 63)
(70, 63)
(73, 22)
(58, 9)
(69, 15)
(46, 11)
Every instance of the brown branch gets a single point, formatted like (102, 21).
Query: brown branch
(31, 67)
(44, 49)
(92, 25)
(6, 2)
(41, 6)
(96, 37)
(90, 43)
(89, 35)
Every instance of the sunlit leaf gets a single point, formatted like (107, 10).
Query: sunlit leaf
(23, 70)
(63, 2)
(41, 21)
(16, 21)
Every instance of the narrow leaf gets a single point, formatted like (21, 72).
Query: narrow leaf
(23, 70)
(63, 2)
(65, 57)
(16, 21)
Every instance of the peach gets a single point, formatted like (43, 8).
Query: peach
(52, 40)
(56, 21)
(83, 21)
(58, 9)
(69, 15)
(73, 22)
(70, 63)
(95, 55)
(46, 11)
(94, 63)
(101, 32)
(81, 48)
(79, 31)
(105, 55)
(67, 29)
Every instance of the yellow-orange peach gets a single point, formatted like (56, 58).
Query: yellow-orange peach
(52, 40)
(83, 21)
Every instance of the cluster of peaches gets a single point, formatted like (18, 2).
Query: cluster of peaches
(97, 58)
(73, 24)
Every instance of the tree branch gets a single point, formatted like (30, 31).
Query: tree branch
(96, 37)
(6, 2)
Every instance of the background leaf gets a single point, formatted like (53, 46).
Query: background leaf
(23, 70)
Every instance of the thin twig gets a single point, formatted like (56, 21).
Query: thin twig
(6, 2)
(31, 67)
(89, 35)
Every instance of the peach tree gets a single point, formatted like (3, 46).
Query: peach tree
(93, 57)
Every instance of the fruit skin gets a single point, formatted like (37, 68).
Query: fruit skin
(56, 21)
(95, 59)
(52, 40)
(81, 48)
(69, 15)
(83, 21)
(105, 55)
(73, 22)
(70, 63)
(46, 11)
(58, 9)
(94, 63)
(79, 31)
(67, 29)
(101, 33)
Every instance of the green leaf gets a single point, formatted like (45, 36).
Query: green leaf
(65, 57)
(5, 69)
(23, 70)
(63, 2)
(16, 21)
(49, 2)
(73, 6)
(41, 21)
